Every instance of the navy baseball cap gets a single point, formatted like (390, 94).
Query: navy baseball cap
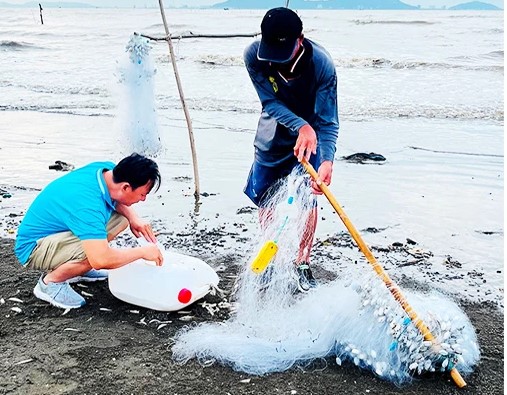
(280, 28)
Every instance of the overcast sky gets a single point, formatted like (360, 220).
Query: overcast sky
(178, 3)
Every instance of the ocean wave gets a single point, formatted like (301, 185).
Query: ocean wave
(208, 104)
(58, 90)
(474, 15)
(89, 111)
(406, 64)
(495, 54)
(356, 111)
(175, 28)
(165, 58)
(209, 60)
(467, 63)
(391, 22)
(155, 26)
(485, 62)
(424, 111)
(476, 58)
(218, 60)
(9, 45)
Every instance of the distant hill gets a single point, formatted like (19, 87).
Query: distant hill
(318, 4)
(475, 5)
(35, 4)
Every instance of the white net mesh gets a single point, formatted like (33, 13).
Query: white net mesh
(354, 318)
(137, 114)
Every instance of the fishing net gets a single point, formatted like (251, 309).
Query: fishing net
(354, 318)
(137, 114)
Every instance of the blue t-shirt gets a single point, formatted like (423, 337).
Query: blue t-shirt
(78, 202)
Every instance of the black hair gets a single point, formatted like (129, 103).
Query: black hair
(137, 170)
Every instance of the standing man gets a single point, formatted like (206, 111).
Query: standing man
(67, 229)
(296, 81)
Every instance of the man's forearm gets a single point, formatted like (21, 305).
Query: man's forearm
(102, 256)
(126, 211)
(116, 257)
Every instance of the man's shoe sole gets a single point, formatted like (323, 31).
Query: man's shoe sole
(301, 289)
(45, 297)
(80, 279)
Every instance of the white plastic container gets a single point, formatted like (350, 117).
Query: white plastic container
(180, 281)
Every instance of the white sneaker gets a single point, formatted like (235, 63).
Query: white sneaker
(58, 294)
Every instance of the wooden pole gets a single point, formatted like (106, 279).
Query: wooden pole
(287, 3)
(395, 291)
(183, 103)
(40, 12)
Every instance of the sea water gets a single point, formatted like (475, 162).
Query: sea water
(422, 88)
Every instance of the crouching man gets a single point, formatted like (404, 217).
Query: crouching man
(67, 229)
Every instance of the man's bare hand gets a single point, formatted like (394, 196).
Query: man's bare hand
(325, 173)
(151, 252)
(306, 143)
(140, 228)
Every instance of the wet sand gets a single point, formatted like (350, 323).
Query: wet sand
(111, 347)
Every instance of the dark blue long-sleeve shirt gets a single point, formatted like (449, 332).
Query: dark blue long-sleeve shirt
(287, 105)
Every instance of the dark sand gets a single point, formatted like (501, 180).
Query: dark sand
(94, 351)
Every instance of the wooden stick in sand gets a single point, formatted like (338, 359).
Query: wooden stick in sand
(183, 103)
(395, 291)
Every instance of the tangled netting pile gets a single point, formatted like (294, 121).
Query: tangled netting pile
(354, 318)
(136, 109)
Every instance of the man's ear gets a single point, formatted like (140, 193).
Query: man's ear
(125, 186)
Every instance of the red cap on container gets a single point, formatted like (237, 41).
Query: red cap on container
(184, 295)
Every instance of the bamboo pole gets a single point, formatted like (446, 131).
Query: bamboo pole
(183, 103)
(393, 288)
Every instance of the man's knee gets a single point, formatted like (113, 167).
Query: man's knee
(54, 250)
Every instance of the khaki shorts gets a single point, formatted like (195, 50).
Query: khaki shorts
(55, 250)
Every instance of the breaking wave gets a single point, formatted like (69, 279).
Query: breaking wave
(359, 111)
(217, 60)
(391, 64)
(485, 62)
(59, 90)
(210, 60)
(476, 63)
(88, 111)
(498, 54)
(384, 22)
(9, 45)
(424, 111)
(355, 111)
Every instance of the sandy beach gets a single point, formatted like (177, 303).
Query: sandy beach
(110, 347)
